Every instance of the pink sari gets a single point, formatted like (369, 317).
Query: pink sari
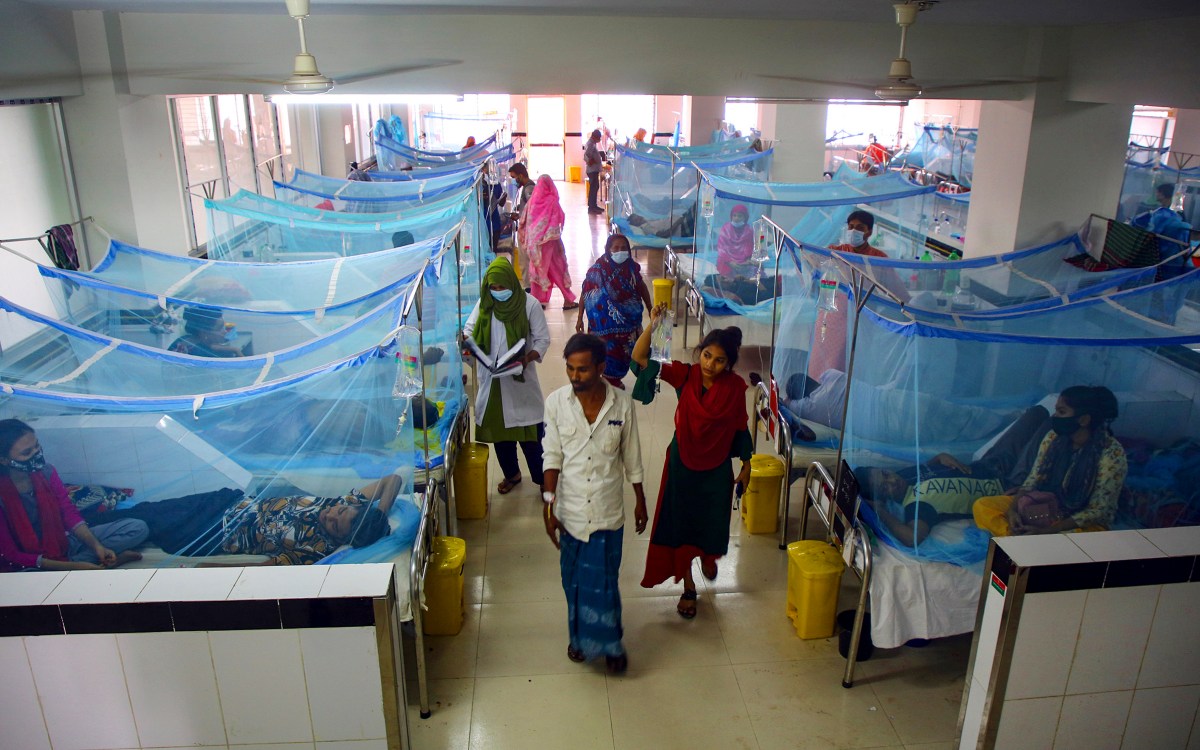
(540, 236)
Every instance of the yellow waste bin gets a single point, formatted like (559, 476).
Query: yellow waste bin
(760, 504)
(814, 576)
(470, 481)
(663, 289)
(576, 174)
(444, 586)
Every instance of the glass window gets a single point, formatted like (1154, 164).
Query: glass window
(201, 158)
(266, 143)
(621, 114)
(235, 139)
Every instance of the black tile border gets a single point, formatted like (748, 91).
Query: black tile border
(327, 613)
(1044, 579)
(38, 619)
(131, 617)
(1152, 571)
(184, 617)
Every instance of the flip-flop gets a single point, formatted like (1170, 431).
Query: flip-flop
(571, 306)
(688, 596)
(574, 654)
(616, 664)
(506, 485)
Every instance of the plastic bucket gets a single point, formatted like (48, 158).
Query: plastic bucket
(470, 482)
(845, 622)
(576, 174)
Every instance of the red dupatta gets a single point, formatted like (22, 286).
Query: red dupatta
(706, 423)
(53, 544)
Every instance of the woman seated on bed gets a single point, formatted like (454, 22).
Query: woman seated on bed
(735, 244)
(293, 530)
(39, 526)
(1077, 475)
(204, 335)
(944, 488)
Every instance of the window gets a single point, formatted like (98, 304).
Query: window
(226, 143)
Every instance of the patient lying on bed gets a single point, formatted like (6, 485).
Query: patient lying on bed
(945, 488)
(294, 530)
(742, 290)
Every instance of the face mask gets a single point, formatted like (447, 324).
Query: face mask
(1064, 425)
(501, 295)
(855, 238)
(739, 223)
(36, 462)
(621, 256)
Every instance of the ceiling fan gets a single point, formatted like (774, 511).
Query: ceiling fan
(899, 85)
(307, 79)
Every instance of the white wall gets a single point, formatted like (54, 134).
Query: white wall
(34, 192)
(122, 148)
(799, 134)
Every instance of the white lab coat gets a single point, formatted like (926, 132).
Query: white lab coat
(523, 403)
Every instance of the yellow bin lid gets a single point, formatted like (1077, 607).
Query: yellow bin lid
(815, 559)
(448, 555)
(765, 465)
(664, 282)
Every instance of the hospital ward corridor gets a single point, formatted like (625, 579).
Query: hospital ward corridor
(736, 676)
(324, 325)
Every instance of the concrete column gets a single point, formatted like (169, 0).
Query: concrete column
(707, 113)
(1044, 163)
(799, 134)
(1186, 139)
(669, 110)
(337, 145)
(122, 146)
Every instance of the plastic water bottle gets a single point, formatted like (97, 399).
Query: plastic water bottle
(660, 337)
(828, 285)
(950, 282)
(468, 258)
(707, 197)
(408, 361)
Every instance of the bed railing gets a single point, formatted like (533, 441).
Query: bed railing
(846, 532)
(783, 446)
(418, 564)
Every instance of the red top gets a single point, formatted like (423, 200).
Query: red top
(52, 498)
(706, 421)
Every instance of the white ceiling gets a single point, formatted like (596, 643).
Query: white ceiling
(965, 12)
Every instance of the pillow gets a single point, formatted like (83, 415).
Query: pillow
(94, 499)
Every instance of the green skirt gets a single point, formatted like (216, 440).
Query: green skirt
(492, 429)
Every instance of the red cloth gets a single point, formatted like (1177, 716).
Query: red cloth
(54, 519)
(706, 423)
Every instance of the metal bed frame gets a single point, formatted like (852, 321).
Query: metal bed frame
(847, 532)
(418, 565)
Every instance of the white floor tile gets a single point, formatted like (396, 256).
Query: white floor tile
(543, 711)
(450, 724)
(694, 708)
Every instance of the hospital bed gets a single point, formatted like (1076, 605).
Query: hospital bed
(688, 271)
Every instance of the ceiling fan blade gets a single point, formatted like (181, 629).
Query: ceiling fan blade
(798, 79)
(356, 77)
(928, 90)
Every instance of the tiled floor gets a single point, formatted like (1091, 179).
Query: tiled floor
(735, 677)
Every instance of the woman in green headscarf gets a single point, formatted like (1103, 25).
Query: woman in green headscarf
(509, 407)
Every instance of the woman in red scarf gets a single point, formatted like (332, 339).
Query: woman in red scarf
(694, 499)
(39, 527)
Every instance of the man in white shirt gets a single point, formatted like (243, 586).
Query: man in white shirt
(591, 440)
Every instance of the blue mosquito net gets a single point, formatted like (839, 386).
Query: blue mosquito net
(979, 386)
(249, 226)
(734, 266)
(393, 155)
(654, 189)
(193, 437)
(332, 193)
(945, 151)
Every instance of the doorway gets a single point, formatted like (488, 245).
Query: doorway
(547, 122)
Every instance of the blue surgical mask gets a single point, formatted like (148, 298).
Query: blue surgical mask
(739, 223)
(620, 256)
(501, 295)
(855, 237)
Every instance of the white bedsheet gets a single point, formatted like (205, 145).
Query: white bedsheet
(912, 598)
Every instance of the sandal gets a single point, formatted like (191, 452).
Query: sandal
(617, 664)
(710, 576)
(574, 654)
(571, 306)
(687, 605)
(506, 485)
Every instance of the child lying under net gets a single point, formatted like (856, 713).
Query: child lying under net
(291, 530)
(944, 488)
